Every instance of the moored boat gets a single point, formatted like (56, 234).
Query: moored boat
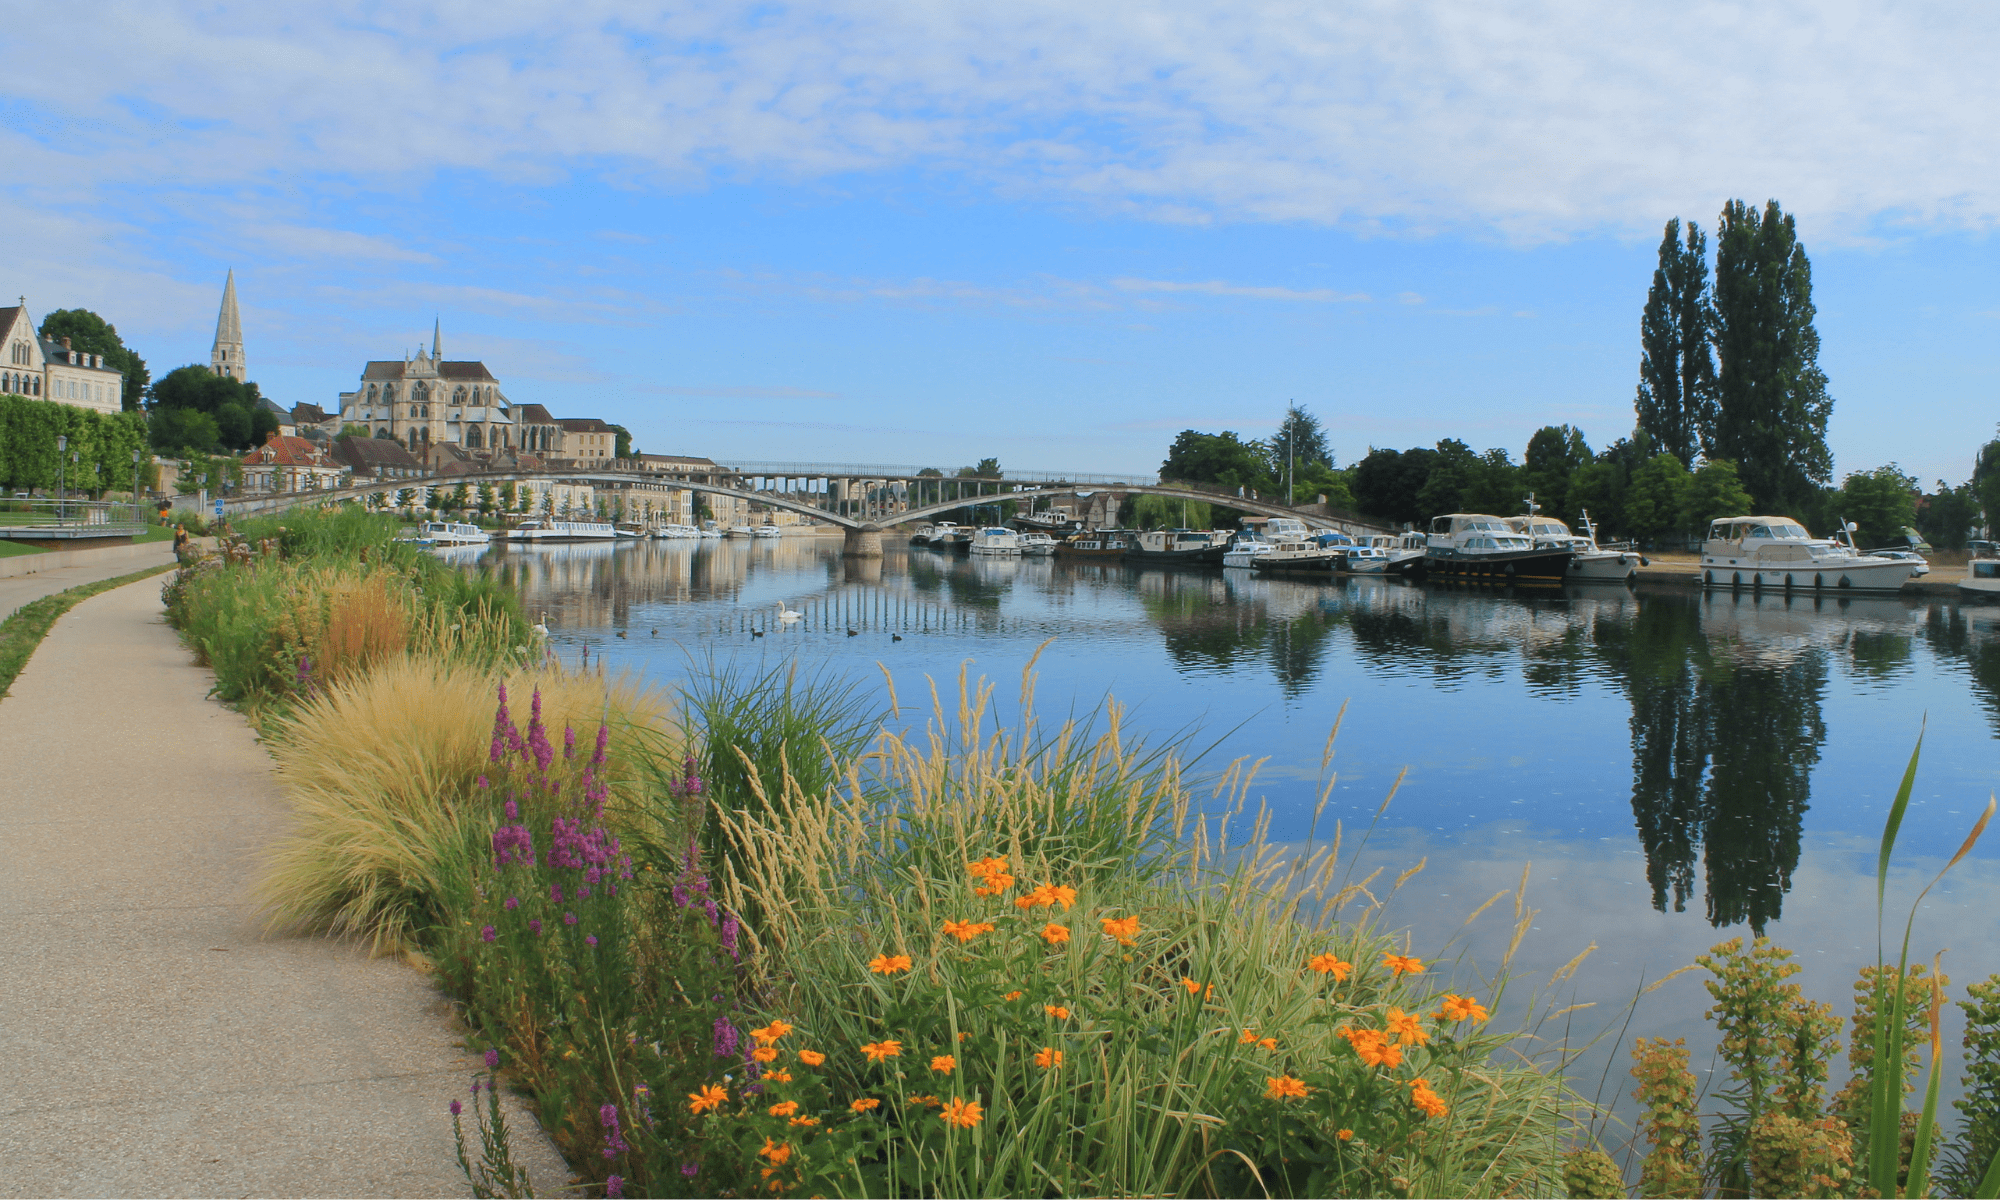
(1982, 571)
(1777, 552)
(1037, 544)
(1589, 562)
(1479, 546)
(1166, 547)
(562, 531)
(1096, 543)
(1299, 556)
(996, 540)
(921, 536)
(768, 531)
(451, 533)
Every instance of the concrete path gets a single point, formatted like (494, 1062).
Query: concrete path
(26, 589)
(153, 1042)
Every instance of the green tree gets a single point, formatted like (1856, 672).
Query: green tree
(1677, 397)
(1772, 405)
(351, 429)
(1299, 444)
(1948, 515)
(1387, 482)
(1881, 502)
(1494, 486)
(405, 497)
(1165, 512)
(461, 497)
(92, 334)
(1321, 480)
(233, 425)
(621, 446)
(486, 499)
(1555, 453)
(1456, 471)
(1597, 489)
(1716, 491)
(181, 431)
(508, 491)
(1220, 459)
(1656, 499)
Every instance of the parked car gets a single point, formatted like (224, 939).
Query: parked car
(1917, 572)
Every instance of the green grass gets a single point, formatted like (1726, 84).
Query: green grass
(22, 632)
(9, 548)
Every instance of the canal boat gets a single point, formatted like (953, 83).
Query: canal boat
(1299, 556)
(1096, 543)
(1982, 571)
(1035, 543)
(1777, 552)
(921, 536)
(950, 538)
(451, 533)
(739, 531)
(768, 531)
(1244, 549)
(1589, 562)
(676, 532)
(1169, 547)
(539, 531)
(631, 529)
(1480, 546)
(996, 540)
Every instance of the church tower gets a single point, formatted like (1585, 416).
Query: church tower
(226, 358)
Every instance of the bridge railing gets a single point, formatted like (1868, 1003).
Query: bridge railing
(879, 471)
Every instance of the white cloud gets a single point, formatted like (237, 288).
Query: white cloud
(309, 242)
(1533, 119)
(1216, 287)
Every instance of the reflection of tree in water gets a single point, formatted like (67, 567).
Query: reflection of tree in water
(1724, 739)
(1205, 629)
(1974, 640)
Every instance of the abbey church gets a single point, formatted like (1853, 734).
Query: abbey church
(425, 399)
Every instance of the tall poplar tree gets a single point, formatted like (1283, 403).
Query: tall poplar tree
(1771, 400)
(1676, 365)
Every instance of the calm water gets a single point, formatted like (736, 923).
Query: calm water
(1672, 769)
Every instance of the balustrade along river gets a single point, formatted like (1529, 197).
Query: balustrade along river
(1672, 768)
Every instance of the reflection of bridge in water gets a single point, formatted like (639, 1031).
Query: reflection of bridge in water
(861, 499)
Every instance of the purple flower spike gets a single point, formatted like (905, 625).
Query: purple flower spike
(487, 934)
(492, 1059)
(569, 741)
(608, 1116)
(456, 1108)
(591, 939)
(513, 902)
(614, 1185)
(536, 925)
(690, 1169)
(483, 784)
(569, 918)
(725, 1038)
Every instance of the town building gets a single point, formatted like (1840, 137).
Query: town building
(290, 464)
(587, 442)
(425, 400)
(41, 369)
(380, 459)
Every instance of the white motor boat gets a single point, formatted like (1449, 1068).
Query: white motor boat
(1480, 546)
(993, 539)
(676, 532)
(737, 531)
(1298, 556)
(1035, 542)
(768, 531)
(1245, 549)
(451, 533)
(950, 538)
(1777, 552)
(1982, 571)
(921, 535)
(562, 531)
(1589, 563)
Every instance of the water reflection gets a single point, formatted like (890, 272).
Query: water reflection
(1707, 717)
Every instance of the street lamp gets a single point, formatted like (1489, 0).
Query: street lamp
(62, 475)
(135, 488)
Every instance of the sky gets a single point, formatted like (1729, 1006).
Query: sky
(924, 233)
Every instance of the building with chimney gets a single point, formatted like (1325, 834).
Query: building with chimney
(226, 356)
(41, 369)
(425, 399)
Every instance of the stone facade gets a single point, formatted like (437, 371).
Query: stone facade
(425, 399)
(225, 357)
(40, 369)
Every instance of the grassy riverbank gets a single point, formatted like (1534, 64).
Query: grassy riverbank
(751, 941)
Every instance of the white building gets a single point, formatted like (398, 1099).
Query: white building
(44, 370)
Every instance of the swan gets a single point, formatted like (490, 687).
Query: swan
(788, 616)
(541, 627)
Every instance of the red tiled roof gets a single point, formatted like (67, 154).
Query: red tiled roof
(286, 452)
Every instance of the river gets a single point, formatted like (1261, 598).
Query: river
(1671, 768)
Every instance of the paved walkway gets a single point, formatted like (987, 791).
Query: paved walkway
(154, 1042)
(26, 589)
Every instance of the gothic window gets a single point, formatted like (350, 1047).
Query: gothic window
(458, 395)
(388, 393)
(472, 438)
(371, 393)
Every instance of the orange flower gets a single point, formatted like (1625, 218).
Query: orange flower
(926, 1101)
(1122, 928)
(1427, 1100)
(1399, 964)
(764, 1054)
(1057, 1011)
(1064, 896)
(1374, 1047)
(1013, 995)
(1460, 1008)
(1407, 1027)
(709, 1097)
(943, 1064)
(887, 964)
(1054, 934)
(862, 1106)
(777, 1152)
(1345, 1135)
(1327, 964)
(1049, 1058)
(877, 1051)
(1193, 988)
(1284, 1087)
(965, 931)
(784, 1108)
(805, 1120)
(962, 1113)
(771, 1033)
(1268, 1043)
(811, 1058)
(1249, 1038)
(778, 1076)
(986, 868)
(963, 1035)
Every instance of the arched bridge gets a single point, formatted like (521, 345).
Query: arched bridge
(861, 500)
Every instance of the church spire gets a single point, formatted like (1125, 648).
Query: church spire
(226, 357)
(437, 339)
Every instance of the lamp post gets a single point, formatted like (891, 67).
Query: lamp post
(203, 502)
(136, 519)
(62, 475)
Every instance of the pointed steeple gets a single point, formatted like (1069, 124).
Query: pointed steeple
(226, 357)
(437, 340)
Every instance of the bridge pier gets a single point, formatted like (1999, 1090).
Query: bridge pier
(865, 542)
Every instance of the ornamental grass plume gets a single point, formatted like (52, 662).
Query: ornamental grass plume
(379, 771)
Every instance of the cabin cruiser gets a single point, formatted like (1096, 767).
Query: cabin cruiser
(768, 531)
(739, 531)
(562, 531)
(451, 533)
(1245, 548)
(1096, 543)
(676, 532)
(921, 536)
(1589, 562)
(1982, 571)
(955, 539)
(1035, 542)
(1778, 552)
(629, 530)
(1300, 556)
(1481, 546)
(1169, 546)
(994, 539)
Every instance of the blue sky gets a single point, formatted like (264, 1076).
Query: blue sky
(929, 232)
